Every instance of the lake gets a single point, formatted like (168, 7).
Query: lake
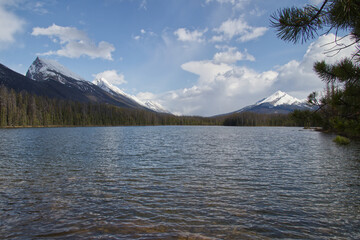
(175, 182)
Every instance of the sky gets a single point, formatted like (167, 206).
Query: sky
(194, 57)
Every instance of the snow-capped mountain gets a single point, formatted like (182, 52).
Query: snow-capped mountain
(279, 102)
(115, 91)
(50, 70)
(46, 69)
(71, 86)
(155, 106)
(19, 82)
(280, 98)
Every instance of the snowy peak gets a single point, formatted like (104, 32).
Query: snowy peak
(280, 98)
(113, 90)
(157, 107)
(46, 69)
(108, 87)
(279, 102)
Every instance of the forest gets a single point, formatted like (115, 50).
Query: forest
(28, 110)
(24, 109)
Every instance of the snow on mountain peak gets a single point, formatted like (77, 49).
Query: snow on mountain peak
(43, 69)
(105, 85)
(280, 98)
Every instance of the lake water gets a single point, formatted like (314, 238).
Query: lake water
(177, 183)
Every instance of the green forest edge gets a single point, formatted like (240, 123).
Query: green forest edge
(28, 110)
(339, 106)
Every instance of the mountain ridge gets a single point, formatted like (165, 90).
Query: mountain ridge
(56, 81)
(277, 103)
(105, 85)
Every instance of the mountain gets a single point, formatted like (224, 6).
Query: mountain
(116, 92)
(46, 69)
(70, 86)
(19, 82)
(279, 102)
(157, 107)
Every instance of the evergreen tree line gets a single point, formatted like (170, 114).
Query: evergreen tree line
(298, 118)
(24, 109)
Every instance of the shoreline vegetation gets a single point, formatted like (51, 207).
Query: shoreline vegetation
(25, 110)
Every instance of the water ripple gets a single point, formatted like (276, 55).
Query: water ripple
(177, 183)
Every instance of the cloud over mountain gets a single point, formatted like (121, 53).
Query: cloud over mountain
(112, 76)
(74, 43)
(223, 86)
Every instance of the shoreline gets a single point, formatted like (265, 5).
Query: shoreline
(319, 129)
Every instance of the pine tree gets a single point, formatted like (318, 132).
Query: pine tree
(340, 107)
(3, 105)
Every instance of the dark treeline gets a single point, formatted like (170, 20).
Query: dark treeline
(306, 118)
(24, 109)
(297, 118)
(255, 119)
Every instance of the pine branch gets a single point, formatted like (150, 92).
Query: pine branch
(295, 24)
(325, 71)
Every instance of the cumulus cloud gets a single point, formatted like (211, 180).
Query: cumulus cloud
(74, 43)
(238, 28)
(298, 76)
(223, 87)
(10, 25)
(232, 55)
(112, 76)
(186, 35)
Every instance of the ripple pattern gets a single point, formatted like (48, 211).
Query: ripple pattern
(177, 183)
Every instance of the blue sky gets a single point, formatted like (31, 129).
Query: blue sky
(194, 57)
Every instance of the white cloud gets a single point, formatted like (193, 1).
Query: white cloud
(223, 87)
(10, 25)
(219, 91)
(219, 86)
(145, 96)
(186, 35)
(207, 70)
(237, 4)
(112, 76)
(299, 75)
(231, 55)
(74, 43)
(238, 28)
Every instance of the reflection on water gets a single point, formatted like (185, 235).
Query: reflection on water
(177, 183)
